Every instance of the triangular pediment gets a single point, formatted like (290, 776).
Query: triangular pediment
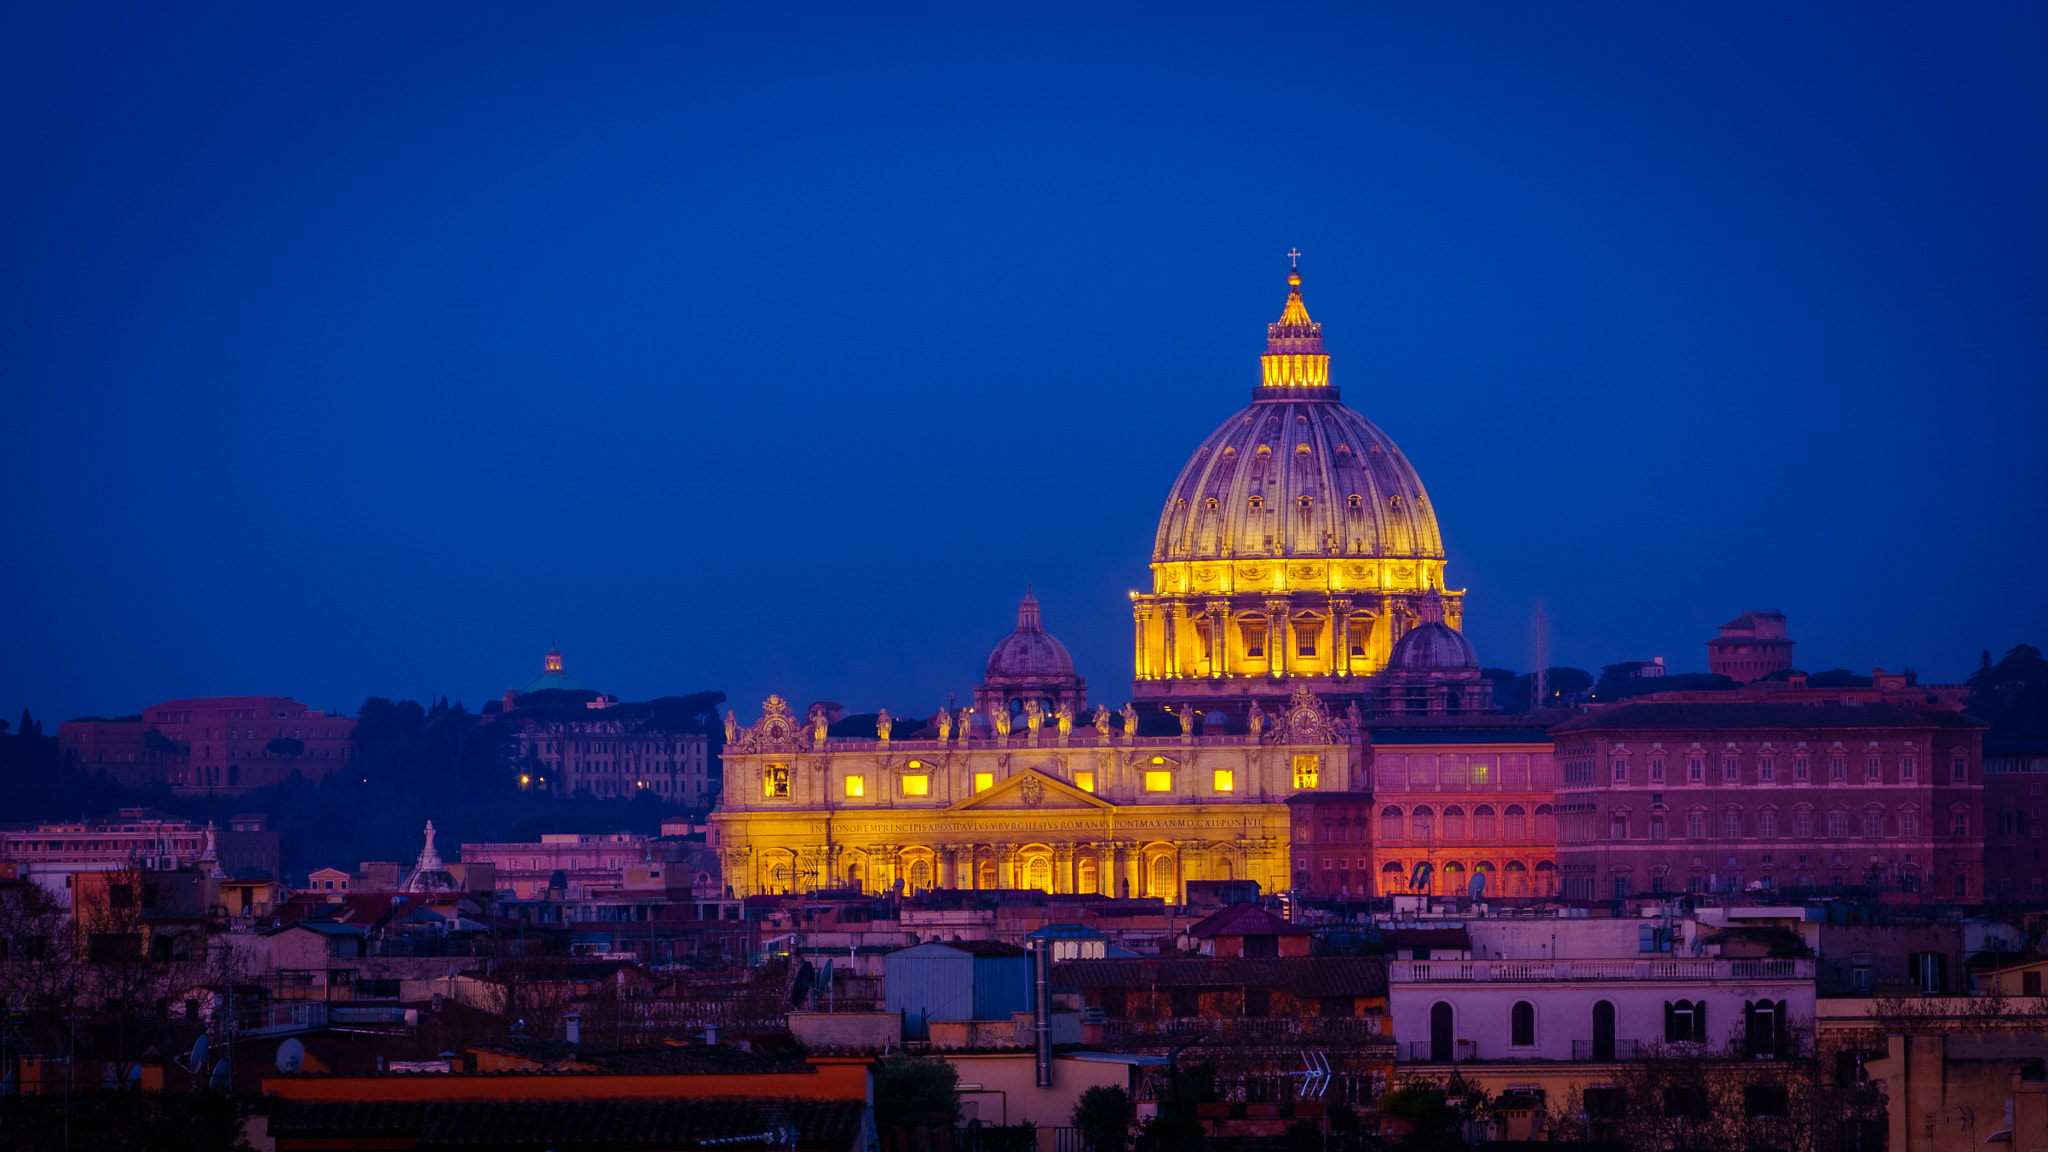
(1033, 791)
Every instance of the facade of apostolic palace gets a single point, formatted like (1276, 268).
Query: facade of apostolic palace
(1297, 591)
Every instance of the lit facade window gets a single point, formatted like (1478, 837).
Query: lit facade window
(917, 785)
(1085, 781)
(983, 781)
(1159, 781)
(856, 786)
(1308, 769)
(1225, 780)
(775, 782)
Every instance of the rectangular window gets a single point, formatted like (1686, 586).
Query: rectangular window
(1766, 769)
(1224, 780)
(1959, 825)
(983, 781)
(1254, 639)
(1959, 769)
(1657, 827)
(1305, 639)
(1802, 768)
(1618, 828)
(1657, 770)
(1872, 771)
(1731, 825)
(1696, 825)
(1621, 771)
(775, 781)
(1308, 769)
(1731, 770)
(1873, 825)
(1838, 767)
(1838, 825)
(1695, 770)
(1359, 629)
(1767, 825)
(1158, 781)
(1909, 768)
(917, 785)
(1802, 825)
(1909, 823)
(856, 785)
(1085, 781)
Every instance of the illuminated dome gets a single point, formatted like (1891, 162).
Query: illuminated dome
(1297, 473)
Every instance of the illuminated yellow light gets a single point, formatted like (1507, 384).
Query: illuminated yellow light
(1085, 781)
(1225, 780)
(983, 781)
(1159, 759)
(526, 780)
(856, 785)
(917, 785)
(1308, 768)
(1158, 781)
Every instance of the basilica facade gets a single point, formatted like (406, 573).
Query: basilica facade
(1297, 593)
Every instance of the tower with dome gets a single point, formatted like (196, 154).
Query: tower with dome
(1299, 546)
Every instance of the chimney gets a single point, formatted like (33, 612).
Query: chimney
(572, 1025)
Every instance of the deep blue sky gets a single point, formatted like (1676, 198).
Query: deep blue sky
(366, 350)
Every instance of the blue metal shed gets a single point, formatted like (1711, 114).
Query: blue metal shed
(963, 980)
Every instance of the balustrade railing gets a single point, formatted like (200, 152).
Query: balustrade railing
(1704, 968)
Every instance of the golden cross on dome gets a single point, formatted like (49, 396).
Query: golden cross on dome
(1294, 257)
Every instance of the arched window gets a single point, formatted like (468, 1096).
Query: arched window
(1390, 823)
(1516, 821)
(1441, 1032)
(1522, 1025)
(1454, 823)
(1482, 822)
(1084, 875)
(920, 875)
(1420, 825)
(1546, 825)
(1038, 874)
(1393, 878)
(1162, 885)
(1515, 879)
(1603, 1030)
(1546, 878)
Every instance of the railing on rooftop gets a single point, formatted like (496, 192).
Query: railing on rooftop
(1246, 1029)
(1706, 968)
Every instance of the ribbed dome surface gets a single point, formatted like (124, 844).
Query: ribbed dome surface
(1297, 477)
(1029, 651)
(1432, 647)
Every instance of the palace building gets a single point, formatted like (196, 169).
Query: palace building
(1297, 590)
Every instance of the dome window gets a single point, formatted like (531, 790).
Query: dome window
(1258, 502)
(1355, 499)
(1210, 504)
(1304, 501)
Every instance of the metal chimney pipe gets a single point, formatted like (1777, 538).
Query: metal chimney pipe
(1041, 968)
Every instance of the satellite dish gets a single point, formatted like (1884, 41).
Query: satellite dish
(197, 1060)
(1478, 886)
(805, 976)
(135, 1076)
(290, 1055)
(220, 1077)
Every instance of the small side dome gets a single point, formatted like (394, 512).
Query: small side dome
(1029, 651)
(1433, 647)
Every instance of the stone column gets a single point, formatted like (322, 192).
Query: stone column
(1340, 635)
(1219, 637)
(1276, 639)
(1176, 626)
(1139, 616)
(882, 866)
(1063, 868)
(949, 876)
(1190, 858)
(1006, 866)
